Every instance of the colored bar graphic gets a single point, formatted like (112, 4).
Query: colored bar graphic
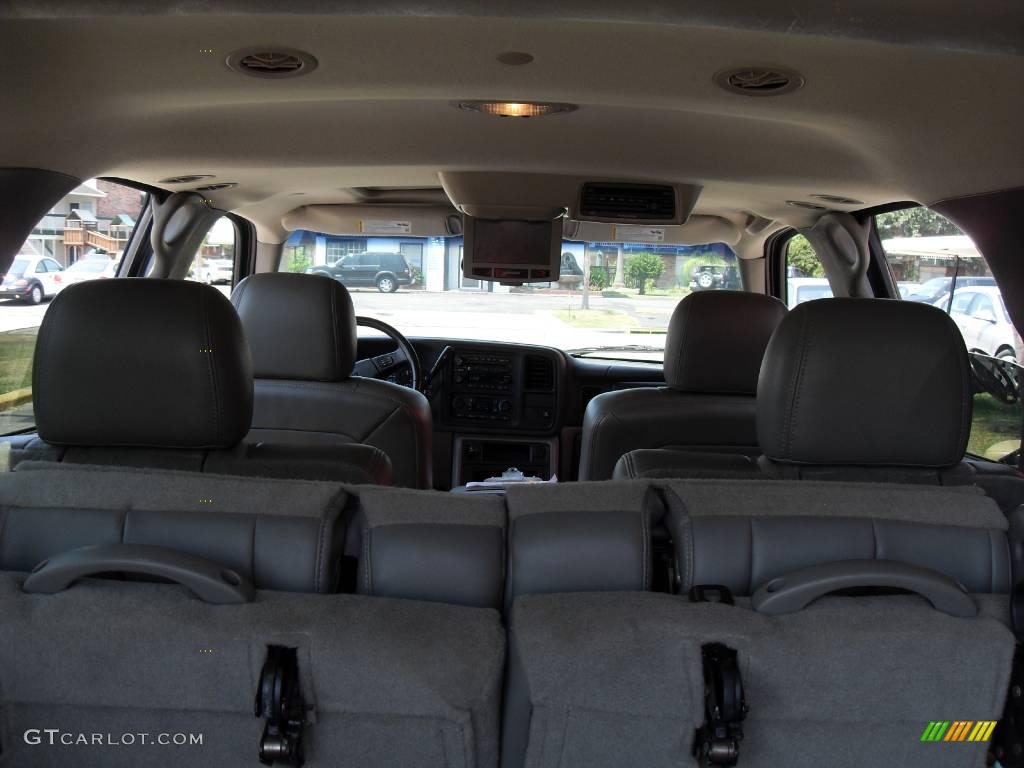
(959, 730)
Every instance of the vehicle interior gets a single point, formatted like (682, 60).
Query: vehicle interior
(465, 385)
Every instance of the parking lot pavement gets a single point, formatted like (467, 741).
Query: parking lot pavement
(527, 318)
(524, 318)
(14, 316)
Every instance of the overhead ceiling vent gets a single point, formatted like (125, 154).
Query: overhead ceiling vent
(539, 374)
(272, 62)
(647, 202)
(759, 81)
(186, 179)
(216, 187)
(838, 200)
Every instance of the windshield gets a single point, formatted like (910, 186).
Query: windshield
(18, 268)
(620, 311)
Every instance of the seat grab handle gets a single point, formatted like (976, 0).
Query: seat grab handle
(798, 589)
(210, 581)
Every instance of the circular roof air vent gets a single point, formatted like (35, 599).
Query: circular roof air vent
(186, 179)
(838, 200)
(216, 187)
(272, 62)
(809, 206)
(759, 81)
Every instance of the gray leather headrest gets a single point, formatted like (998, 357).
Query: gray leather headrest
(868, 382)
(716, 340)
(299, 326)
(142, 363)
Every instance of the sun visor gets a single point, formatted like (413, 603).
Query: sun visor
(411, 221)
(696, 231)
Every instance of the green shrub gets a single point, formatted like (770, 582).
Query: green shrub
(643, 267)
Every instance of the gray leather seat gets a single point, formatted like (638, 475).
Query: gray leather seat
(713, 352)
(852, 389)
(302, 334)
(157, 374)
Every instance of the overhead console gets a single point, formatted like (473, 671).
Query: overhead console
(513, 222)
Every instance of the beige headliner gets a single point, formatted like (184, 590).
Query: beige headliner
(133, 96)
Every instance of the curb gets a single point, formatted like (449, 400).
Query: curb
(15, 398)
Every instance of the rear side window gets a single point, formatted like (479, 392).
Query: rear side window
(805, 275)
(933, 262)
(214, 262)
(83, 237)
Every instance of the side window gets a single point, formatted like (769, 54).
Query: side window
(214, 262)
(805, 275)
(929, 258)
(961, 303)
(90, 225)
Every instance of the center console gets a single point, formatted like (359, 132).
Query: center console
(502, 403)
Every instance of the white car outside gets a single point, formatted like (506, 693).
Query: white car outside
(90, 268)
(801, 289)
(32, 279)
(981, 316)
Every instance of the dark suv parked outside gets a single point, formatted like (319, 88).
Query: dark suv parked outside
(387, 271)
(712, 276)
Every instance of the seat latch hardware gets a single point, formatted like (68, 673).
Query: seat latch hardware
(279, 701)
(1008, 739)
(717, 742)
(711, 593)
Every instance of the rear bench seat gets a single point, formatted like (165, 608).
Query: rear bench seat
(386, 677)
(605, 672)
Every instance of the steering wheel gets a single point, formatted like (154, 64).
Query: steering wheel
(995, 376)
(382, 366)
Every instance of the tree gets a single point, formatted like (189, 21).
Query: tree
(914, 222)
(643, 267)
(800, 254)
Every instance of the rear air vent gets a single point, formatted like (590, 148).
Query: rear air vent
(838, 200)
(647, 202)
(217, 187)
(186, 179)
(759, 81)
(539, 374)
(272, 62)
(808, 206)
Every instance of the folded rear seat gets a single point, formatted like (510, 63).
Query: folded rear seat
(608, 673)
(384, 680)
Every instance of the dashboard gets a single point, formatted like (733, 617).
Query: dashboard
(500, 405)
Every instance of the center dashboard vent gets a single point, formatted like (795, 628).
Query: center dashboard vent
(645, 202)
(539, 374)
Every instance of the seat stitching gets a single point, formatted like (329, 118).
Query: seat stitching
(366, 559)
(750, 554)
(211, 368)
(645, 546)
(334, 332)
(794, 407)
(320, 551)
(252, 547)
